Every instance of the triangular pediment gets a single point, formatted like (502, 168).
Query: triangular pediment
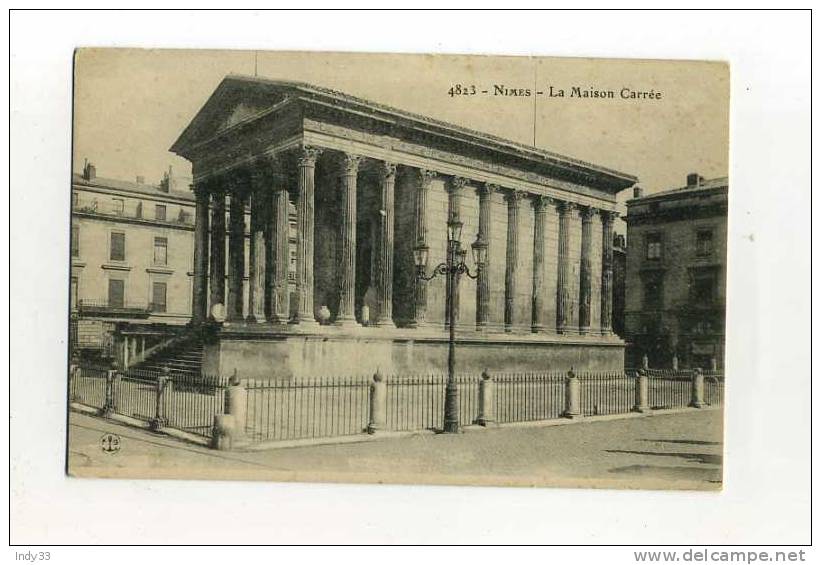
(234, 101)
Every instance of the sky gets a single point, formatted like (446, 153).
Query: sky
(132, 104)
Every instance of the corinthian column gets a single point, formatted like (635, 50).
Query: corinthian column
(563, 302)
(305, 236)
(454, 189)
(539, 284)
(347, 264)
(236, 253)
(512, 257)
(217, 283)
(256, 255)
(384, 273)
(420, 287)
(200, 298)
(279, 251)
(483, 281)
(585, 270)
(607, 272)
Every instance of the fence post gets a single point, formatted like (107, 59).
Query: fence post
(109, 405)
(229, 428)
(675, 362)
(378, 401)
(159, 406)
(697, 389)
(713, 364)
(642, 404)
(73, 369)
(645, 362)
(487, 407)
(572, 408)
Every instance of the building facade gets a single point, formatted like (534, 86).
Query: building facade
(131, 257)
(676, 271)
(337, 291)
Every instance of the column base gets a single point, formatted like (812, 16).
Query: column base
(305, 322)
(486, 423)
(387, 323)
(696, 405)
(346, 323)
(641, 409)
(570, 416)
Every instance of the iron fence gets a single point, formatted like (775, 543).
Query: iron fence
(522, 397)
(415, 402)
(606, 393)
(669, 390)
(306, 408)
(714, 389)
(88, 386)
(178, 401)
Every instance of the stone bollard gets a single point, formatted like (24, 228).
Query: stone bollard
(642, 404)
(224, 436)
(236, 405)
(109, 406)
(713, 364)
(379, 396)
(645, 363)
(160, 418)
(675, 362)
(572, 405)
(73, 370)
(487, 402)
(697, 389)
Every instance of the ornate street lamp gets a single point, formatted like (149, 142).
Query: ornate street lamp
(453, 268)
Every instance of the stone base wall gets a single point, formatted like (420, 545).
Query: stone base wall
(331, 352)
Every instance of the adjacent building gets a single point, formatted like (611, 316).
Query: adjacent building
(676, 270)
(373, 190)
(131, 257)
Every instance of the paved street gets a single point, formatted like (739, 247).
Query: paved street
(682, 450)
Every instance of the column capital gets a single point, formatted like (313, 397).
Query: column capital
(457, 183)
(564, 206)
(514, 196)
(541, 203)
(308, 155)
(427, 175)
(587, 212)
(387, 169)
(608, 216)
(487, 188)
(350, 163)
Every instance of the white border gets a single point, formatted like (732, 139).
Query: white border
(767, 434)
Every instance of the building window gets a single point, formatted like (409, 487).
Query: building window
(75, 283)
(653, 293)
(75, 241)
(160, 250)
(159, 212)
(704, 242)
(116, 293)
(158, 293)
(652, 244)
(118, 206)
(703, 286)
(117, 246)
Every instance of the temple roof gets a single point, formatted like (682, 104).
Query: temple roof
(242, 99)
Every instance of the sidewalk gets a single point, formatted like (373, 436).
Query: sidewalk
(665, 451)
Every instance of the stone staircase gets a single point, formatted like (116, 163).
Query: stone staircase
(183, 358)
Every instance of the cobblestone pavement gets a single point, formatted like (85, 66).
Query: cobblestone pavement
(677, 450)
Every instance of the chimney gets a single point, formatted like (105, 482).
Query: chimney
(694, 180)
(140, 179)
(638, 192)
(89, 171)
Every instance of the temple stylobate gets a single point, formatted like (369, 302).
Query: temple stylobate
(310, 204)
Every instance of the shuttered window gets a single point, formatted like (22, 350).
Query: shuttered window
(116, 293)
(117, 246)
(158, 292)
(160, 250)
(75, 241)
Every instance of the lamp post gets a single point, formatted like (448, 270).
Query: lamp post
(453, 268)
